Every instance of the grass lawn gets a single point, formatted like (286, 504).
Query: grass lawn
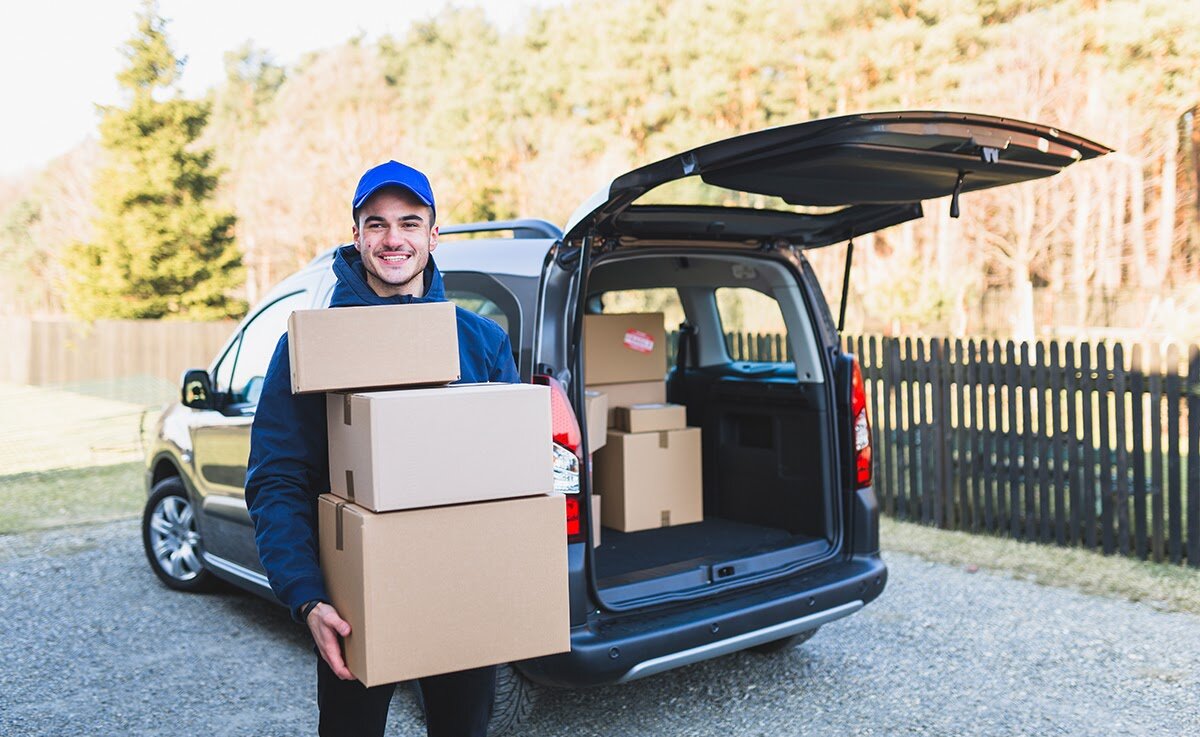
(1166, 586)
(40, 499)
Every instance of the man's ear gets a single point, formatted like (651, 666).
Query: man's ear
(357, 242)
(433, 237)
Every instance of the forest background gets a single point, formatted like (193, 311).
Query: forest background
(530, 121)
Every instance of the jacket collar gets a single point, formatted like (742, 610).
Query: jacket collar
(352, 288)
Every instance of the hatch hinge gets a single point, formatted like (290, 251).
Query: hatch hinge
(989, 154)
(954, 212)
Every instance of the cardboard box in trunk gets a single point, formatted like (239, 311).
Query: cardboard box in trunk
(366, 347)
(595, 520)
(438, 590)
(411, 448)
(596, 409)
(623, 348)
(650, 417)
(650, 480)
(638, 392)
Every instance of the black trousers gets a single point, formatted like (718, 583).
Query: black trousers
(456, 704)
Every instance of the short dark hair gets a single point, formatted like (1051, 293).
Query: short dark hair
(432, 213)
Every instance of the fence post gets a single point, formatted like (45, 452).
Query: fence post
(1193, 469)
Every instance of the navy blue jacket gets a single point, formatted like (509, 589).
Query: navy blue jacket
(289, 451)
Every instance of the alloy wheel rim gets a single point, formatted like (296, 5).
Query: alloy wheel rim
(174, 538)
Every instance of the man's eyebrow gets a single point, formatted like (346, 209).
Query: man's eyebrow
(413, 216)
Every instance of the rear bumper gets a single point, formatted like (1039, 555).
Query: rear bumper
(614, 648)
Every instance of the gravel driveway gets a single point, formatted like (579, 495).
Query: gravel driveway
(94, 645)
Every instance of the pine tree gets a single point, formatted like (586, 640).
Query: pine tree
(161, 250)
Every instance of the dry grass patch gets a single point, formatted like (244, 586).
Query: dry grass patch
(1164, 586)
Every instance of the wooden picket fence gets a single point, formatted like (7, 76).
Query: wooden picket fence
(1064, 443)
(1067, 443)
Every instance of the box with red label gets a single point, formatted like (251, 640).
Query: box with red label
(619, 349)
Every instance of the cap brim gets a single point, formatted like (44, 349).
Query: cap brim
(390, 183)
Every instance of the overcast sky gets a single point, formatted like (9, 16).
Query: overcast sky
(60, 57)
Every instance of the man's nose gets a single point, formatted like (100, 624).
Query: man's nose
(392, 237)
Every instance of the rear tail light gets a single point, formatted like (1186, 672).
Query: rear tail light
(567, 452)
(862, 428)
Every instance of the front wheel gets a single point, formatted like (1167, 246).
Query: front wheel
(171, 538)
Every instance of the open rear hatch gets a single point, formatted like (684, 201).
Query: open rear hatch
(771, 488)
(865, 172)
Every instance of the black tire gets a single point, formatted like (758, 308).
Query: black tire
(516, 697)
(786, 643)
(171, 538)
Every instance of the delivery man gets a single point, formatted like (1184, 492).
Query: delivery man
(390, 263)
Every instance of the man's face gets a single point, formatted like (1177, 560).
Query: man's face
(394, 234)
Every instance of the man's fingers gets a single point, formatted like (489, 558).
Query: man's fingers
(326, 626)
(330, 618)
(331, 651)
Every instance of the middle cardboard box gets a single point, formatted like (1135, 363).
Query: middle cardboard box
(413, 448)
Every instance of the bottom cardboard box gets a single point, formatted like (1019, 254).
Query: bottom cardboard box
(650, 479)
(444, 589)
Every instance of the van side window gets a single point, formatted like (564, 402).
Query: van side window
(753, 325)
(245, 362)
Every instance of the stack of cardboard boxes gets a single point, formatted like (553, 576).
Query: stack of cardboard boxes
(648, 472)
(440, 542)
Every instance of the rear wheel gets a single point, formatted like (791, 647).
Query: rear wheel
(786, 643)
(171, 538)
(516, 697)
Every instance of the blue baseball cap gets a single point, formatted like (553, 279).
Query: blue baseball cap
(393, 174)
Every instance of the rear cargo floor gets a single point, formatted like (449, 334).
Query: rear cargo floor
(622, 553)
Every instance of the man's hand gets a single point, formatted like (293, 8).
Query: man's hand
(327, 629)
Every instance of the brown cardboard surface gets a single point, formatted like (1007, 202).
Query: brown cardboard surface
(364, 347)
(624, 348)
(650, 479)
(595, 520)
(596, 409)
(410, 448)
(638, 392)
(650, 417)
(438, 590)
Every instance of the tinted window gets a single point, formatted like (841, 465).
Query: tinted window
(753, 325)
(245, 363)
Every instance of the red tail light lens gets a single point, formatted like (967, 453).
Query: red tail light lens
(567, 453)
(862, 428)
(574, 528)
(565, 425)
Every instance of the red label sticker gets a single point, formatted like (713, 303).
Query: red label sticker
(638, 341)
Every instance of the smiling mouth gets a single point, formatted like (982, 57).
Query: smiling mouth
(394, 258)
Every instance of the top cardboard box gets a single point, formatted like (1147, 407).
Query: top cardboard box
(624, 348)
(373, 347)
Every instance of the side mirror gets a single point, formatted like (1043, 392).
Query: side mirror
(197, 391)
